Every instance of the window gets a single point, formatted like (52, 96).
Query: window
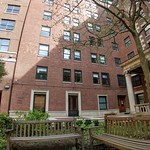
(45, 31)
(100, 42)
(41, 73)
(93, 5)
(96, 78)
(67, 53)
(67, 35)
(43, 50)
(7, 24)
(50, 2)
(136, 80)
(67, 75)
(75, 22)
(87, 3)
(102, 60)
(4, 45)
(98, 28)
(112, 33)
(67, 20)
(90, 26)
(47, 15)
(105, 79)
(94, 58)
(131, 55)
(77, 55)
(115, 46)
(117, 62)
(13, 9)
(147, 30)
(67, 7)
(76, 37)
(102, 102)
(88, 14)
(92, 40)
(95, 15)
(78, 76)
(108, 20)
(121, 80)
(127, 41)
(75, 9)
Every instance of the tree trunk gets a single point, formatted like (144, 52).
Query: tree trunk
(144, 64)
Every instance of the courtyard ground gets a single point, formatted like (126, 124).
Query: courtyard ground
(58, 145)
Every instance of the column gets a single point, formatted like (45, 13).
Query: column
(130, 92)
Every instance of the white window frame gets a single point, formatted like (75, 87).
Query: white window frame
(67, 35)
(67, 20)
(99, 104)
(6, 46)
(43, 48)
(75, 22)
(45, 31)
(76, 37)
(47, 15)
(13, 9)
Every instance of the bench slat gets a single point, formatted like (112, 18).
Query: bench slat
(122, 142)
(45, 138)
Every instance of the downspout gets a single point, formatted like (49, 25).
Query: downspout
(12, 82)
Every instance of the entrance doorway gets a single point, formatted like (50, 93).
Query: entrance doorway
(73, 105)
(121, 103)
(39, 101)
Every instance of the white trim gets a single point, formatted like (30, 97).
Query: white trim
(32, 98)
(138, 92)
(106, 100)
(79, 100)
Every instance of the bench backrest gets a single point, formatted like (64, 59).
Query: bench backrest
(42, 128)
(128, 126)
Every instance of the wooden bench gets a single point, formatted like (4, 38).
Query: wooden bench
(38, 131)
(125, 133)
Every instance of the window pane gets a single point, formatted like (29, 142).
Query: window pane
(67, 54)
(96, 78)
(41, 73)
(45, 31)
(77, 55)
(67, 75)
(102, 102)
(105, 79)
(7, 24)
(4, 45)
(47, 15)
(13, 9)
(78, 76)
(43, 50)
(102, 59)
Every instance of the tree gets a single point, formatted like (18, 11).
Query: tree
(2, 69)
(127, 13)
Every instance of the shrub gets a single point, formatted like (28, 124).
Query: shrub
(36, 115)
(85, 123)
(5, 123)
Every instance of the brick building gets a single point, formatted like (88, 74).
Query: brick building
(52, 66)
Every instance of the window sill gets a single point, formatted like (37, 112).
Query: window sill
(96, 84)
(40, 80)
(78, 83)
(66, 82)
(105, 85)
